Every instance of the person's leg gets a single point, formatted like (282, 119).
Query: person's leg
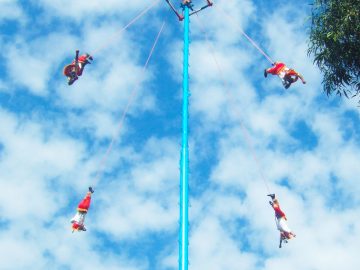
(288, 81)
(296, 75)
(79, 217)
(76, 218)
(282, 78)
(278, 225)
(290, 78)
(72, 77)
(282, 224)
(80, 68)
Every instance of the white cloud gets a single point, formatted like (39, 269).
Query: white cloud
(219, 250)
(79, 10)
(10, 10)
(146, 199)
(25, 146)
(30, 197)
(33, 65)
(308, 200)
(3, 86)
(47, 162)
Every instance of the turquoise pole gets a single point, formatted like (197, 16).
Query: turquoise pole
(184, 162)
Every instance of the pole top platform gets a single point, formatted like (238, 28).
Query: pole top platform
(190, 5)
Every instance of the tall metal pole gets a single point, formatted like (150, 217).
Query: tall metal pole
(184, 162)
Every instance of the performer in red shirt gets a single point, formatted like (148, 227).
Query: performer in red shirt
(280, 217)
(83, 207)
(76, 68)
(287, 75)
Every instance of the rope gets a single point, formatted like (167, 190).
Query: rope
(243, 129)
(247, 37)
(131, 100)
(126, 26)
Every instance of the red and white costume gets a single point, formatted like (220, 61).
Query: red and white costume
(79, 219)
(278, 69)
(81, 62)
(287, 75)
(73, 70)
(281, 220)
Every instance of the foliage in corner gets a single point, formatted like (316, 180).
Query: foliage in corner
(335, 44)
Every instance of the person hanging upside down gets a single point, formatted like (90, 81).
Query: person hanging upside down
(83, 207)
(287, 75)
(281, 221)
(76, 68)
(186, 2)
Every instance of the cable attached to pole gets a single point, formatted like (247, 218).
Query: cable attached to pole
(129, 103)
(141, 14)
(247, 37)
(243, 129)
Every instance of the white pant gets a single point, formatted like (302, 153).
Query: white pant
(283, 73)
(79, 218)
(282, 225)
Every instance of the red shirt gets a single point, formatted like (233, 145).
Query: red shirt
(275, 70)
(81, 59)
(278, 212)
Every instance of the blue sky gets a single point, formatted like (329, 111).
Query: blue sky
(53, 138)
